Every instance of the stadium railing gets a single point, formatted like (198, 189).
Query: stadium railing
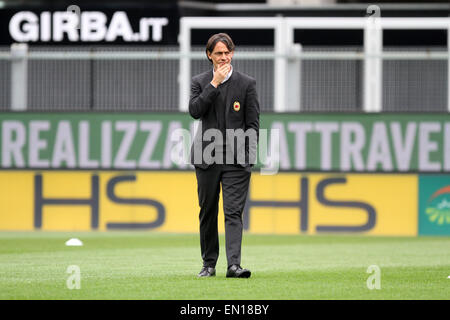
(290, 78)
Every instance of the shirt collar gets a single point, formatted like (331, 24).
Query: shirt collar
(228, 75)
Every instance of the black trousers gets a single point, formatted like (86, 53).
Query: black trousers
(235, 182)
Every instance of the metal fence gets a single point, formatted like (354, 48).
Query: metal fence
(5, 81)
(146, 79)
(289, 57)
(408, 85)
(416, 85)
(93, 83)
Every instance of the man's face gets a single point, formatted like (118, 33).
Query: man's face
(220, 55)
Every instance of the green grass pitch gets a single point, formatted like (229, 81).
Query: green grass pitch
(147, 265)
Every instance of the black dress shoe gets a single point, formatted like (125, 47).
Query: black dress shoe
(207, 272)
(235, 271)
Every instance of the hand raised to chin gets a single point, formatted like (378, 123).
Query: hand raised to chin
(220, 74)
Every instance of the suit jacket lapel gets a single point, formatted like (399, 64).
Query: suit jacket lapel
(216, 109)
(232, 88)
(207, 78)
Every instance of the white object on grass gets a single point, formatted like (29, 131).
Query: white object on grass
(74, 242)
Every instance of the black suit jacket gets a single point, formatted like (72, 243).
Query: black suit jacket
(241, 89)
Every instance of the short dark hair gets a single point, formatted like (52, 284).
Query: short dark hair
(218, 37)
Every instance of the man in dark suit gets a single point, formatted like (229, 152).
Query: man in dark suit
(223, 152)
